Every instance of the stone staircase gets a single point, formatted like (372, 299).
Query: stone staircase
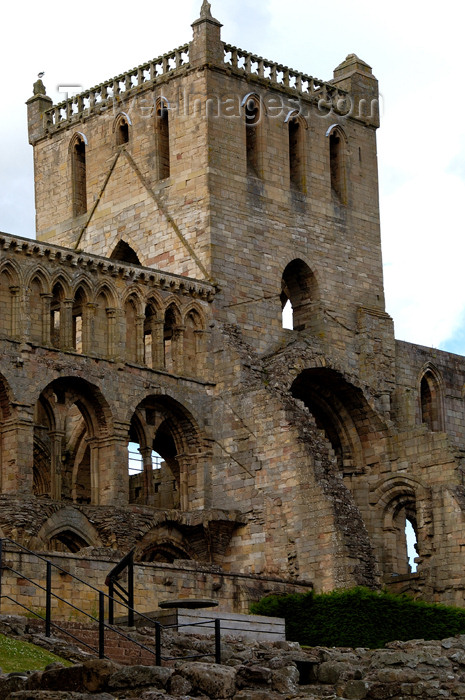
(117, 648)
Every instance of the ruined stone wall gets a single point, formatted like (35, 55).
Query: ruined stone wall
(153, 583)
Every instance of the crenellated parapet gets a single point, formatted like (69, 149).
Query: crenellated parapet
(328, 95)
(111, 93)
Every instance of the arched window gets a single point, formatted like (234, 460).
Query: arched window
(6, 302)
(252, 111)
(36, 310)
(79, 304)
(149, 337)
(401, 539)
(57, 316)
(299, 292)
(163, 138)
(103, 330)
(193, 343)
(171, 345)
(121, 129)
(296, 137)
(337, 162)
(130, 313)
(431, 403)
(78, 174)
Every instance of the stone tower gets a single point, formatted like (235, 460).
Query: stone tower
(180, 207)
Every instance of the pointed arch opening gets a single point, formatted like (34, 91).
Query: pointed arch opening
(67, 541)
(337, 162)
(131, 318)
(121, 129)
(299, 294)
(296, 127)
(103, 335)
(193, 350)
(252, 118)
(79, 343)
(57, 315)
(163, 137)
(9, 290)
(79, 174)
(37, 310)
(123, 252)
(172, 347)
(431, 399)
(401, 547)
(340, 412)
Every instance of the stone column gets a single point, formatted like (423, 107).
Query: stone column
(56, 440)
(88, 315)
(111, 333)
(112, 465)
(146, 453)
(46, 318)
(158, 353)
(94, 471)
(177, 349)
(140, 320)
(66, 324)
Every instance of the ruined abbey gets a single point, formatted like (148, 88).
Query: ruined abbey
(151, 398)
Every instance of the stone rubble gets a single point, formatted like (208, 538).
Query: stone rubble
(412, 670)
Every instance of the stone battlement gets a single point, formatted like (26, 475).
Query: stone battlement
(104, 96)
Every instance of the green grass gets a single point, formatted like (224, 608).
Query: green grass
(22, 656)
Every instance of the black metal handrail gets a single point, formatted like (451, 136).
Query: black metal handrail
(116, 589)
(100, 620)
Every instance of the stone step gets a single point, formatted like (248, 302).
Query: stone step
(117, 648)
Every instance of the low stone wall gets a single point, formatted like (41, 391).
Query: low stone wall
(152, 582)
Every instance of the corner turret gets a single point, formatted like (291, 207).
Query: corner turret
(206, 47)
(356, 76)
(36, 106)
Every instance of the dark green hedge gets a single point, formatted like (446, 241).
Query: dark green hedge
(360, 618)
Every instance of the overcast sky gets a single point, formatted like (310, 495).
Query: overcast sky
(416, 55)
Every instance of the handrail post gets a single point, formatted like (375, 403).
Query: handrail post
(217, 640)
(111, 591)
(157, 644)
(48, 600)
(101, 625)
(131, 589)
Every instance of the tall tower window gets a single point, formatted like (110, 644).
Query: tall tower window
(337, 162)
(252, 121)
(163, 138)
(78, 174)
(296, 136)
(121, 130)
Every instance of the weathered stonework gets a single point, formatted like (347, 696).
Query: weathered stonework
(179, 207)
